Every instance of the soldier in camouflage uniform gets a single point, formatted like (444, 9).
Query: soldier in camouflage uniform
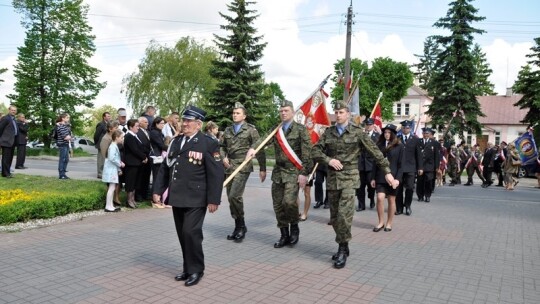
(236, 141)
(339, 148)
(453, 164)
(288, 176)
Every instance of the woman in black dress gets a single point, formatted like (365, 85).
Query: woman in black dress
(159, 150)
(134, 158)
(392, 149)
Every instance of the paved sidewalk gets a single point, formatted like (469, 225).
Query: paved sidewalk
(469, 245)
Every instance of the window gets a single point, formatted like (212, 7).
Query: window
(398, 109)
(407, 109)
(497, 137)
(469, 139)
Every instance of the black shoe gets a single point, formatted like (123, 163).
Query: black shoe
(194, 279)
(387, 229)
(377, 229)
(295, 234)
(408, 210)
(335, 255)
(360, 209)
(341, 257)
(420, 199)
(182, 276)
(63, 177)
(372, 204)
(326, 206)
(398, 212)
(21, 167)
(469, 183)
(8, 176)
(115, 210)
(239, 232)
(318, 205)
(427, 199)
(284, 240)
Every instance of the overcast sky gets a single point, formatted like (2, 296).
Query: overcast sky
(305, 37)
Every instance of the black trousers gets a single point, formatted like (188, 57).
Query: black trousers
(189, 223)
(7, 160)
(407, 184)
(320, 176)
(488, 171)
(424, 184)
(361, 192)
(21, 155)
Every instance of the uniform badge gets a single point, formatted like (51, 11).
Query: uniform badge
(217, 156)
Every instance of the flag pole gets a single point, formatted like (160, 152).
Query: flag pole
(375, 106)
(265, 141)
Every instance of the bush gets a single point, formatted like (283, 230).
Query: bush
(36, 197)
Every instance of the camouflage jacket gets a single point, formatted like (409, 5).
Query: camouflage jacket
(346, 149)
(235, 147)
(284, 170)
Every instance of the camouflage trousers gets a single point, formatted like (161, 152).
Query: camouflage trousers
(285, 200)
(235, 192)
(341, 212)
(453, 171)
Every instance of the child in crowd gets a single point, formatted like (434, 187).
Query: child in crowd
(111, 169)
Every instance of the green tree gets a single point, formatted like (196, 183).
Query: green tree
(453, 83)
(239, 77)
(385, 75)
(2, 71)
(481, 85)
(425, 69)
(272, 92)
(528, 84)
(170, 78)
(52, 72)
(92, 116)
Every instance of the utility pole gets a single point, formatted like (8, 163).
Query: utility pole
(348, 52)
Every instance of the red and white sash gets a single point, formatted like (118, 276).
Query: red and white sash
(289, 152)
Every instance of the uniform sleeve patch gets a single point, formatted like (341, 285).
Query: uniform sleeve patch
(217, 156)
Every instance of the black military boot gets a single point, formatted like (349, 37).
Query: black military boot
(469, 182)
(295, 234)
(242, 231)
(237, 229)
(284, 240)
(335, 256)
(341, 257)
(371, 203)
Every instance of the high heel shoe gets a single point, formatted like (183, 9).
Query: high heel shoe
(377, 229)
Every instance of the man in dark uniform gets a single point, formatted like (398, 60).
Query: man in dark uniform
(22, 140)
(143, 177)
(473, 165)
(488, 162)
(339, 147)
(236, 141)
(430, 160)
(194, 173)
(412, 164)
(365, 166)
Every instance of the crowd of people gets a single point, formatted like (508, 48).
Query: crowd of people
(176, 163)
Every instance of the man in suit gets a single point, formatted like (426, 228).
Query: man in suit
(194, 173)
(22, 140)
(101, 130)
(293, 165)
(412, 165)
(488, 163)
(365, 166)
(430, 160)
(8, 134)
(143, 178)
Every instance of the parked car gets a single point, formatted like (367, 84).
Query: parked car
(528, 170)
(86, 144)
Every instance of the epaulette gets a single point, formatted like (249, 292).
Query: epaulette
(250, 125)
(355, 126)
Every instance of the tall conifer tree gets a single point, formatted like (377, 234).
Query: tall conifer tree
(239, 77)
(482, 85)
(453, 83)
(528, 84)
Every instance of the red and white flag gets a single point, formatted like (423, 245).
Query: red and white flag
(313, 115)
(376, 114)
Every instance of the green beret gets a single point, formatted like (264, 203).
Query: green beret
(287, 103)
(340, 105)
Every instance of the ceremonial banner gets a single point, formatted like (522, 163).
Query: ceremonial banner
(376, 114)
(526, 148)
(313, 115)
